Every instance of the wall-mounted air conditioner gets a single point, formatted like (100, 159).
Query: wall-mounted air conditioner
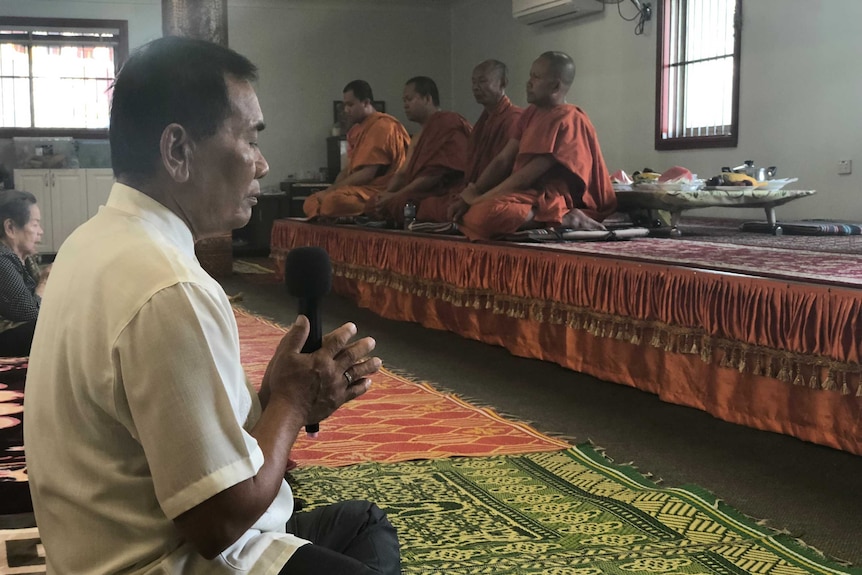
(550, 11)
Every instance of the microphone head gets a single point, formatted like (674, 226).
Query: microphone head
(307, 272)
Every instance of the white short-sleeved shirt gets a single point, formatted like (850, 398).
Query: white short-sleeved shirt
(137, 405)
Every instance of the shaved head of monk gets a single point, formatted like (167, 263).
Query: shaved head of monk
(489, 82)
(561, 65)
(421, 99)
(551, 76)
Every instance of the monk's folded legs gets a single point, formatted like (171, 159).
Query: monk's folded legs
(509, 213)
(347, 201)
(435, 208)
(311, 205)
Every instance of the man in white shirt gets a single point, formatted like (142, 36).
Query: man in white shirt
(148, 451)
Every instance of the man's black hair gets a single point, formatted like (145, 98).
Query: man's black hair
(170, 80)
(361, 90)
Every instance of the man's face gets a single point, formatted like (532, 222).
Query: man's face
(415, 105)
(354, 109)
(542, 84)
(487, 86)
(226, 167)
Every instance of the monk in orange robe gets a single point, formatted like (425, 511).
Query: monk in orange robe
(376, 148)
(490, 135)
(435, 160)
(550, 174)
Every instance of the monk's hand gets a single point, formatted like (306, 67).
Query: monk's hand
(577, 220)
(456, 210)
(471, 194)
(386, 201)
(374, 205)
(319, 383)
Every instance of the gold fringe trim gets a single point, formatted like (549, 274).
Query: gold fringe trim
(829, 382)
(818, 372)
(798, 380)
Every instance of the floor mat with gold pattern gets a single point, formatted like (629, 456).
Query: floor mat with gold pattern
(567, 512)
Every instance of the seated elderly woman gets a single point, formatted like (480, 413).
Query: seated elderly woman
(21, 280)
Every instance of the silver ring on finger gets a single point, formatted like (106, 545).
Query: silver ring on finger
(349, 378)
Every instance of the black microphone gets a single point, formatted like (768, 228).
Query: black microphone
(308, 277)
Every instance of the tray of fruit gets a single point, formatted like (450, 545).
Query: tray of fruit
(677, 189)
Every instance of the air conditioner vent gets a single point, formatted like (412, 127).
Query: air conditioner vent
(550, 11)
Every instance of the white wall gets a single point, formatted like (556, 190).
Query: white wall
(800, 100)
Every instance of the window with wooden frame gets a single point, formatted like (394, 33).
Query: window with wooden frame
(56, 75)
(697, 84)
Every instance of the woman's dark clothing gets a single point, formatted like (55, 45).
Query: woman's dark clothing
(15, 342)
(19, 304)
(350, 538)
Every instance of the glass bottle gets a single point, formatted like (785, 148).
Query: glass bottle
(409, 214)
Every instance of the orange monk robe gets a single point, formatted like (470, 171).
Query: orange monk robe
(379, 140)
(579, 179)
(441, 150)
(490, 135)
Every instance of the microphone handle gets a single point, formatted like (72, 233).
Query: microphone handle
(308, 306)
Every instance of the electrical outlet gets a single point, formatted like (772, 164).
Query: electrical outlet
(845, 167)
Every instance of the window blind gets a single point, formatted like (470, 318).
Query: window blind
(698, 68)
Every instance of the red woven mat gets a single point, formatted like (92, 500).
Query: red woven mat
(397, 420)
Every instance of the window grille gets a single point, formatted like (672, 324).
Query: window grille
(55, 75)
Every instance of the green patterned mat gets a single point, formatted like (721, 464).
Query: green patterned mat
(562, 513)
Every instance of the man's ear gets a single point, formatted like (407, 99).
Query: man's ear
(558, 87)
(176, 152)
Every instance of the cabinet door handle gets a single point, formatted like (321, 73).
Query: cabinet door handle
(52, 179)
(45, 179)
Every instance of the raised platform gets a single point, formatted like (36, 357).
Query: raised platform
(762, 336)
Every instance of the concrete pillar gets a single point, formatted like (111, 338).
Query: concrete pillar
(202, 19)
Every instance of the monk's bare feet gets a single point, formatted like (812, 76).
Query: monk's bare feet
(578, 220)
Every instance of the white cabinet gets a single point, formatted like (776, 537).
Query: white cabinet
(68, 203)
(99, 183)
(64, 199)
